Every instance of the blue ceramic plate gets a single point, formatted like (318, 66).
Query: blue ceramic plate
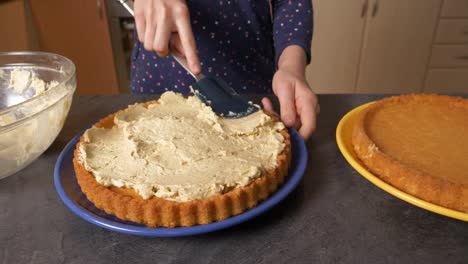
(70, 193)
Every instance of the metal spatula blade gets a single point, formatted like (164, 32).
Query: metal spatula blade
(213, 92)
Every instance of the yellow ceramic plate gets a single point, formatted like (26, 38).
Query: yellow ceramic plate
(343, 138)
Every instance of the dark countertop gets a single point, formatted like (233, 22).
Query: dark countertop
(334, 215)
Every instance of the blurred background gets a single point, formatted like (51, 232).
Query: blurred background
(359, 46)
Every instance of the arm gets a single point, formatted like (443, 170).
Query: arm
(298, 104)
(292, 25)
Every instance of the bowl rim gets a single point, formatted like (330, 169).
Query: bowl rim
(67, 78)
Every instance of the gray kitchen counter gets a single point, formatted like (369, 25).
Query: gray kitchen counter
(334, 215)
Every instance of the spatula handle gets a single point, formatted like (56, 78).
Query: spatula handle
(128, 4)
(183, 62)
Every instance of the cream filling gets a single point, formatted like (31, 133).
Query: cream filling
(180, 150)
(23, 142)
(26, 82)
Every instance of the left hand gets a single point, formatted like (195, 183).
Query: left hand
(298, 104)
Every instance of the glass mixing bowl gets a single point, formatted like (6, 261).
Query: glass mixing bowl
(29, 123)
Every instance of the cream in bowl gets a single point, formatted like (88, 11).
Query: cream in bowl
(36, 91)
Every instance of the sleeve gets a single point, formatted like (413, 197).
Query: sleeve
(292, 25)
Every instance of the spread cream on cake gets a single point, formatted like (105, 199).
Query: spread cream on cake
(180, 150)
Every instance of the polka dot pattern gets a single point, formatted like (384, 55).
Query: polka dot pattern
(237, 40)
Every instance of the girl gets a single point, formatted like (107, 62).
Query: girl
(254, 46)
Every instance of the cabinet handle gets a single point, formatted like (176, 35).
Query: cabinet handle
(462, 57)
(99, 8)
(365, 6)
(375, 9)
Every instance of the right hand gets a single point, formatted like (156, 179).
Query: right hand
(160, 23)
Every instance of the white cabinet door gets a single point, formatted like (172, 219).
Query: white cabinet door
(447, 81)
(397, 45)
(336, 45)
(455, 8)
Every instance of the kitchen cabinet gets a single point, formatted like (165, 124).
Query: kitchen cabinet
(447, 81)
(448, 68)
(449, 56)
(455, 8)
(121, 27)
(336, 48)
(397, 44)
(372, 46)
(15, 28)
(452, 31)
(78, 30)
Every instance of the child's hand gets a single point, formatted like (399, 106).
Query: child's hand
(298, 104)
(159, 20)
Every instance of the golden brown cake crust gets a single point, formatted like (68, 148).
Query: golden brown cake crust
(126, 204)
(412, 181)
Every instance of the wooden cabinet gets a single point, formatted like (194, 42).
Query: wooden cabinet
(15, 28)
(79, 31)
(372, 46)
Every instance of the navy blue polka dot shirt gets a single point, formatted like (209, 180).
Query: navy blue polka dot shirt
(239, 41)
